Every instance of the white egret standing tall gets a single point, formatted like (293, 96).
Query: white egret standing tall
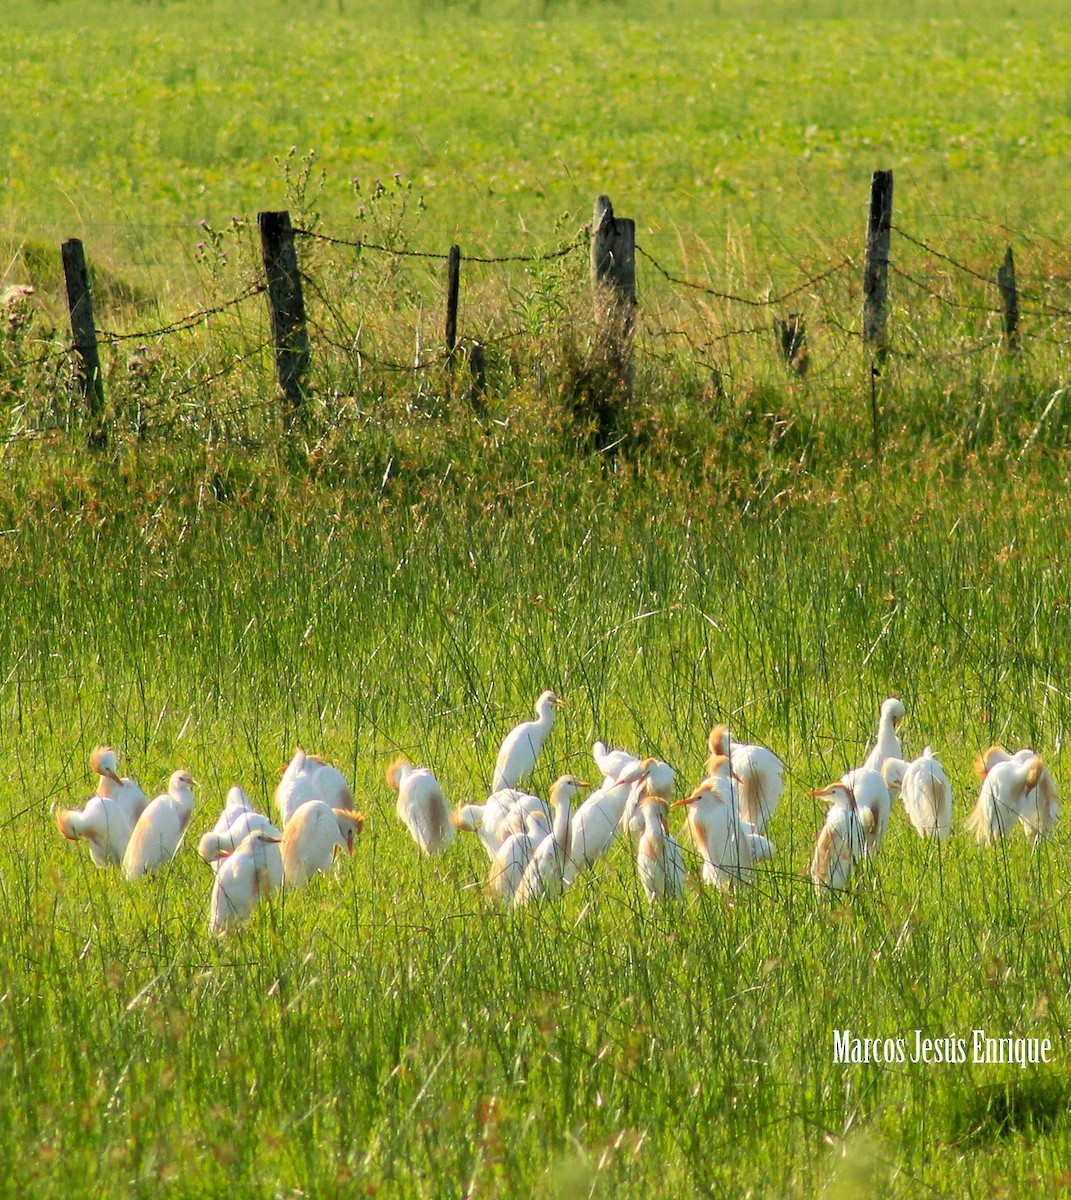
(719, 836)
(521, 746)
(841, 840)
(544, 877)
(659, 860)
(887, 744)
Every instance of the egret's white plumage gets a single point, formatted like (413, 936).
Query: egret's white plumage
(160, 828)
(841, 840)
(1040, 808)
(1003, 793)
(887, 744)
(759, 772)
(521, 746)
(544, 877)
(612, 763)
(236, 803)
(873, 804)
(246, 876)
(513, 856)
(219, 842)
(308, 777)
(421, 806)
(658, 782)
(716, 829)
(925, 792)
(596, 822)
(659, 859)
(105, 826)
(482, 820)
(126, 791)
(313, 836)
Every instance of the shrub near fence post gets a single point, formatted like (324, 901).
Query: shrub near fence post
(286, 306)
(84, 335)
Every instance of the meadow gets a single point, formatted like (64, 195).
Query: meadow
(403, 578)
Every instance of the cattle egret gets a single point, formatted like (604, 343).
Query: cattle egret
(873, 804)
(160, 828)
(513, 856)
(887, 744)
(313, 836)
(245, 877)
(103, 823)
(544, 877)
(595, 823)
(841, 840)
(716, 829)
(759, 772)
(482, 820)
(925, 791)
(658, 782)
(308, 777)
(126, 791)
(1040, 807)
(659, 860)
(612, 763)
(521, 746)
(237, 802)
(421, 806)
(217, 843)
(1003, 793)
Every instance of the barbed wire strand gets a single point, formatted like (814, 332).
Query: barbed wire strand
(191, 321)
(360, 244)
(769, 302)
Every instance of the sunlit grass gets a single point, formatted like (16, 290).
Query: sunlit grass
(389, 1028)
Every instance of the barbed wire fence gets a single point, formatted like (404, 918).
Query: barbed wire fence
(319, 338)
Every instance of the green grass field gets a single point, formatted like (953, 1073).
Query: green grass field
(403, 579)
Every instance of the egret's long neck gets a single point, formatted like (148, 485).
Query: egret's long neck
(563, 826)
(652, 824)
(183, 797)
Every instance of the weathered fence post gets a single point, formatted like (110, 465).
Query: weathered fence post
(613, 284)
(792, 338)
(1010, 296)
(876, 271)
(287, 308)
(84, 336)
(453, 288)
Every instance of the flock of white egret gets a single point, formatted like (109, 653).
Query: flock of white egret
(536, 848)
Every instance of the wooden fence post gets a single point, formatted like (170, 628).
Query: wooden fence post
(792, 338)
(84, 335)
(613, 284)
(453, 288)
(287, 308)
(876, 271)
(1010, 296)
